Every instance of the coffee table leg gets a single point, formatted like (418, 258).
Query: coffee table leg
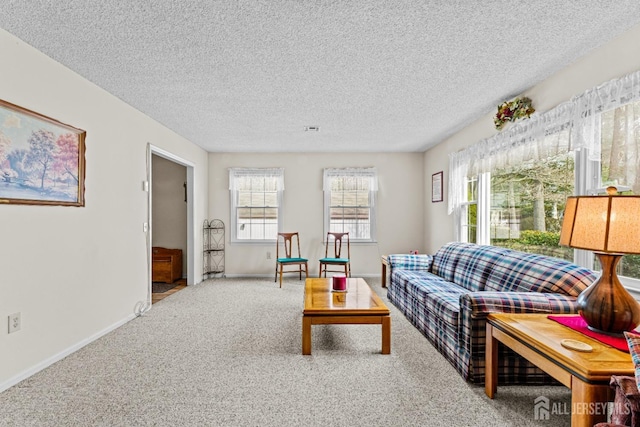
(386, 334)
(306, 335)
(491, 364)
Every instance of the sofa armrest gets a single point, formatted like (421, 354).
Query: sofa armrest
(475, 306)
(410, 262)
(479, 304)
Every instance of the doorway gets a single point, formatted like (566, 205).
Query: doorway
(171, 222)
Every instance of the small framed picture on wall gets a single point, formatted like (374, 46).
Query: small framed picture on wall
(436, 187)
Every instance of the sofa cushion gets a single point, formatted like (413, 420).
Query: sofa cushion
(420, 283)
(523, 272)
(445, 306)
(466, 264)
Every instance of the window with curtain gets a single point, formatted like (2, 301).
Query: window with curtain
(620, 163)
(527, 201)
(579, 147)
(349, 202)
(256, 198)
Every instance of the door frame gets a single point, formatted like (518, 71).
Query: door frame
(191, 269)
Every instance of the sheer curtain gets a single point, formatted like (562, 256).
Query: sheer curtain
(537, 138)
(370, 174)
(588, 107)
(573, 125)
(276, 173)
(621, 147)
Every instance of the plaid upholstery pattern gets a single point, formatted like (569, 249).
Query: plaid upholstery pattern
(410, 262)
(521, 272)
(421, 283)
(453, 317)
(466, 264)
(474, 308)
(442, 335)
(633, 341)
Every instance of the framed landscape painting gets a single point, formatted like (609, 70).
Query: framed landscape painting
(41, 160)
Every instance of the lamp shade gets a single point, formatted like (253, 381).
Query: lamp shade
(608, 224)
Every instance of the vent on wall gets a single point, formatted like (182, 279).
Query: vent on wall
(311, 128)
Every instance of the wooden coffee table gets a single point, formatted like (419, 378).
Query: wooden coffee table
(538, 340)
(359, 305)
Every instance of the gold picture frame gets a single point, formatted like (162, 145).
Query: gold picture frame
(42, 161)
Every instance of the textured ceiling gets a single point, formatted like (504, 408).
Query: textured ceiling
(374, 75)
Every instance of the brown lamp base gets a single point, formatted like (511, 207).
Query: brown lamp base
(606, 305)
(611, 334)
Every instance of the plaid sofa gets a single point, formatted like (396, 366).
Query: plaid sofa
(448, 296)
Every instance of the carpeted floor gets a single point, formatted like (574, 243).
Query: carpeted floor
(227, 352)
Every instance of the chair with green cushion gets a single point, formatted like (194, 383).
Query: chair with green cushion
(287, 241)
(337, 259)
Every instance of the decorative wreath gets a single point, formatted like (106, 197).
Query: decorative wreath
(510, 111)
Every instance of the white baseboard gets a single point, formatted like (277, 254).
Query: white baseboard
(53, 359)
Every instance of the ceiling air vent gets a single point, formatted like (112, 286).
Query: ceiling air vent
(311, 128)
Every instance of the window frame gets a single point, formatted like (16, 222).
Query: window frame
(587, 178)
(371, 173)
(234, 195)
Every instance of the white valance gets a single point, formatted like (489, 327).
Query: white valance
(276, 173)
(588, 106)
(368, 173)
(570, 126)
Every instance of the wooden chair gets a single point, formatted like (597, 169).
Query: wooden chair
(286, 240)
(336, 259)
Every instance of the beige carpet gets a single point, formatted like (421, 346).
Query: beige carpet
(227, 352)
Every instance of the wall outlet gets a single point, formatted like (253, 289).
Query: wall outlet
(14, 322)
(268, 255)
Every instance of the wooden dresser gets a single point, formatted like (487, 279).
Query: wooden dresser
(166, 264)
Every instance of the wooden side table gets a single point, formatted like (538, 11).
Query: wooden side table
(385, 263)
(538, 340)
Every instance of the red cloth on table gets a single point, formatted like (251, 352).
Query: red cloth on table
(578, 324)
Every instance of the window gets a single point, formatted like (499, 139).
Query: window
(256, 197)
(579, 147)
(469, 222)
(527, 202)
(620, 163)
(349, 202)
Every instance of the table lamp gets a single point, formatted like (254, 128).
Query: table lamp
(608, 225)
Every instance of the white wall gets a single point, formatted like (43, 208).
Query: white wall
(74, 273)
(399, 200)
(615, 59)
(169, 219)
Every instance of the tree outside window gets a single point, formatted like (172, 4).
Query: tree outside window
(527, 202)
